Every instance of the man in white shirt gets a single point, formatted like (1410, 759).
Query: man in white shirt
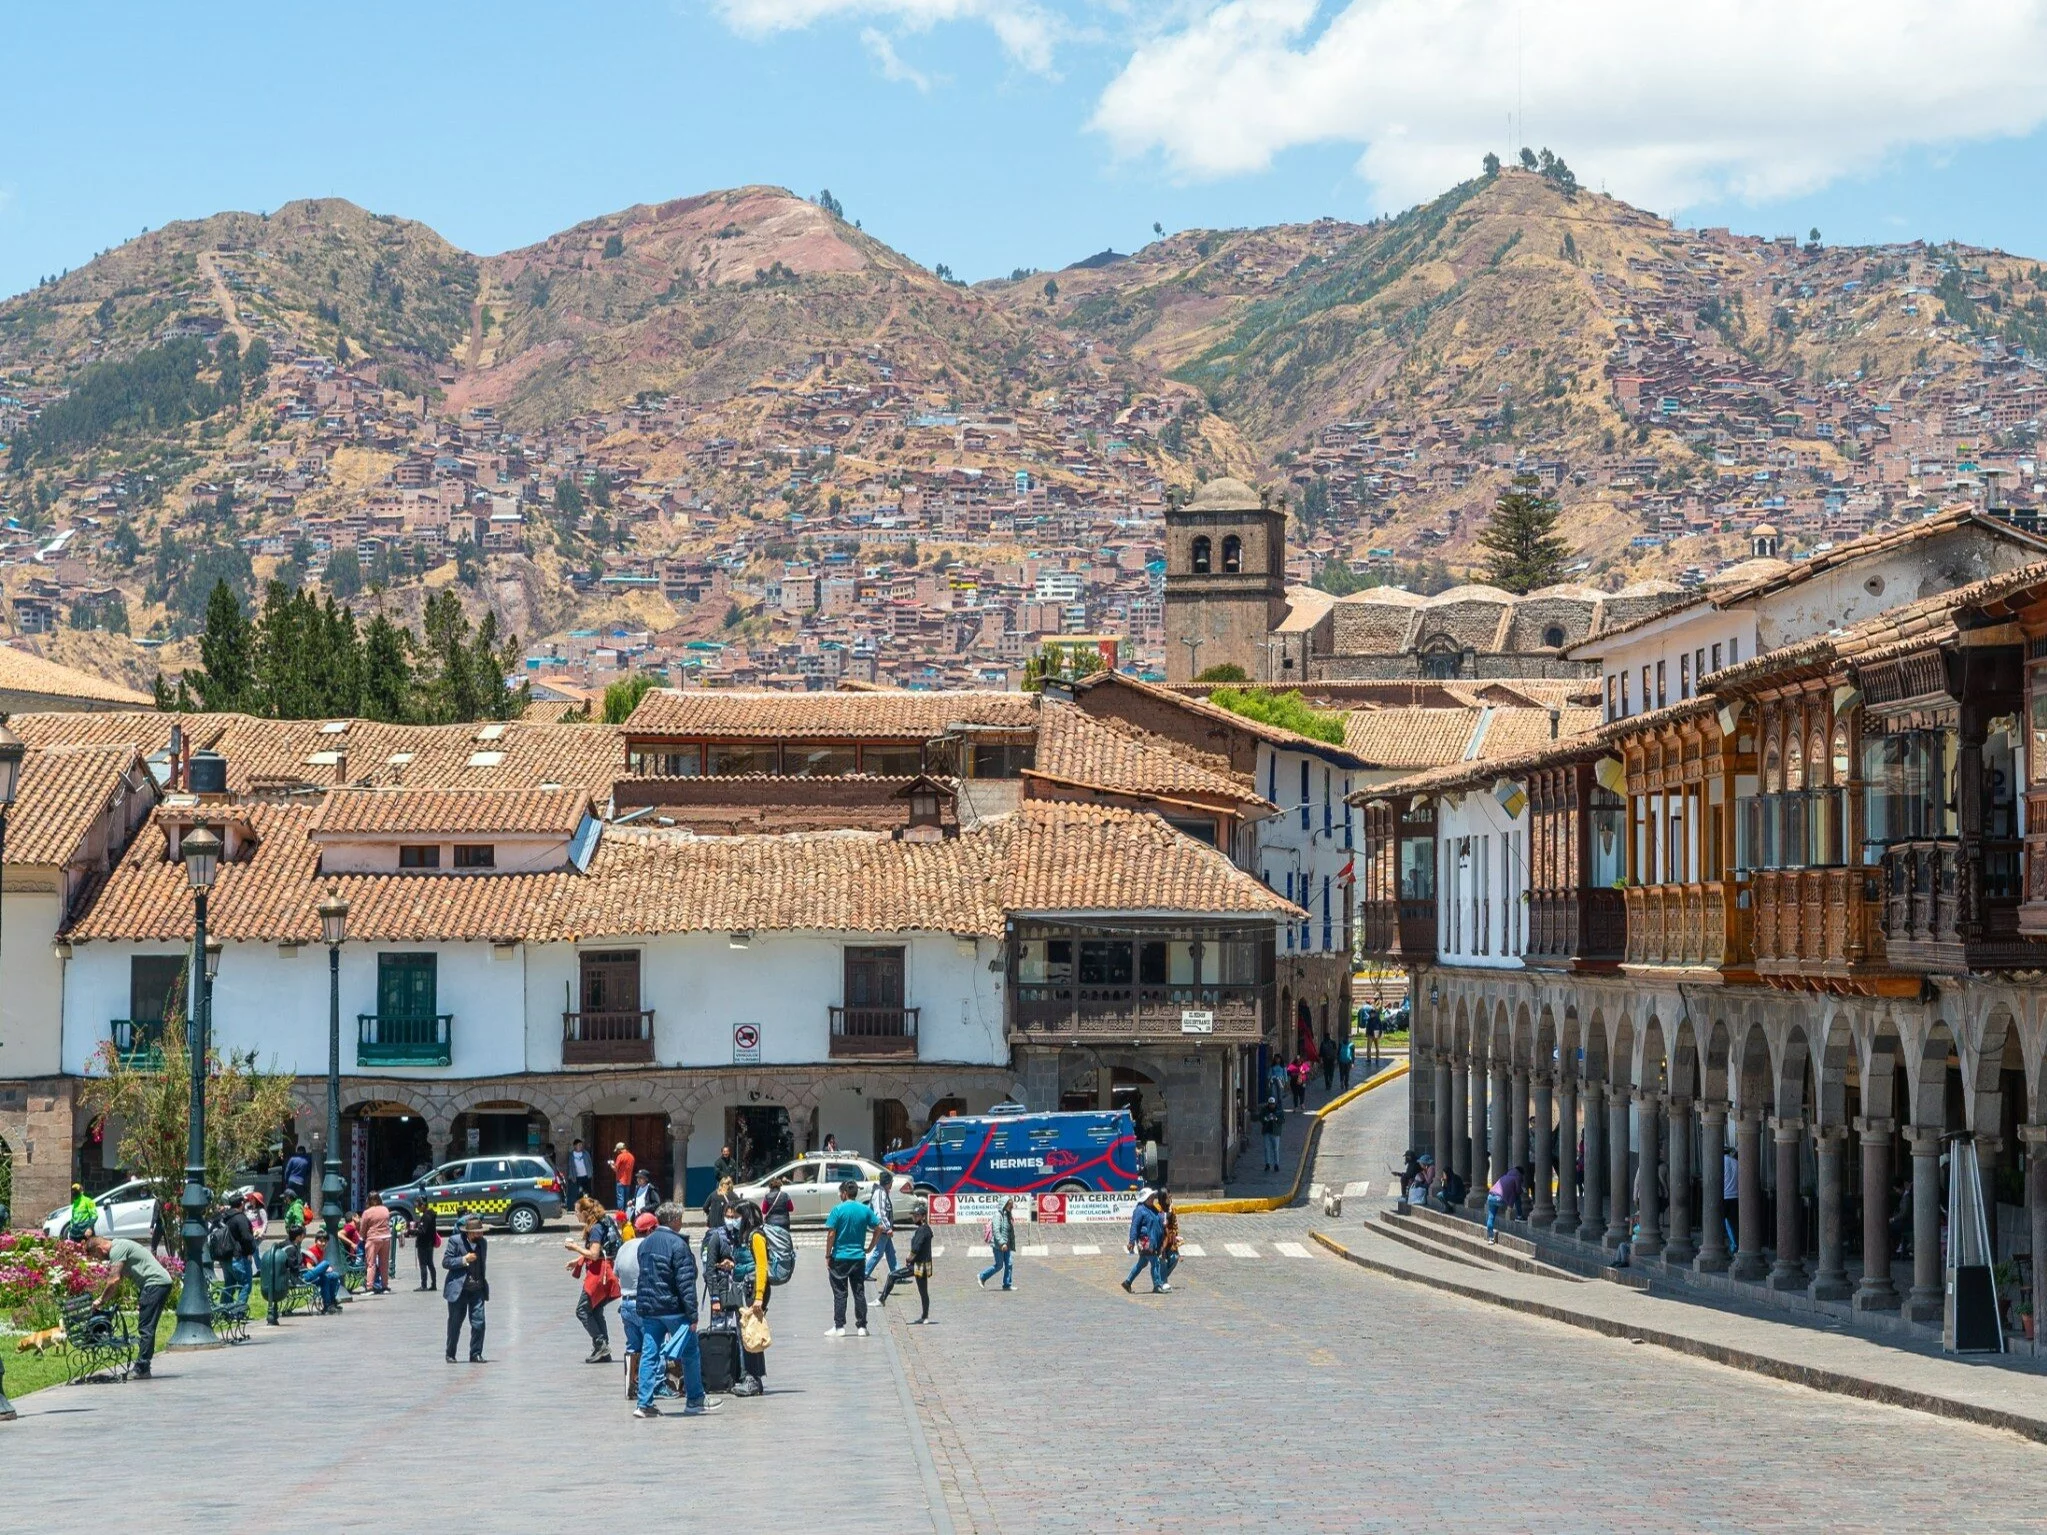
(580, 1171)
(883, 1204)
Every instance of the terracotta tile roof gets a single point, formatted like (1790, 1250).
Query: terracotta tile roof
(265, 753)
(62, 791)
(515, 812)
(1517, 731)
(1467, 775)
(24, 673)
(1275, 735)
(870, 716)
(765, 804)
(1402, 737)
(1079, 747)
(1045, 857)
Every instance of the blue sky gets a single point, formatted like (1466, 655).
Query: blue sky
(990, 134)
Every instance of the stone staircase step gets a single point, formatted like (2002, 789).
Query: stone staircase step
(1471, 1244)
(1415, 1242)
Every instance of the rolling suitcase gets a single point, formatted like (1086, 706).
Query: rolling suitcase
(718, 1336)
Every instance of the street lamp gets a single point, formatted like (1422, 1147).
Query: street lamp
(200, 849)
(11, 753)
(333, 929)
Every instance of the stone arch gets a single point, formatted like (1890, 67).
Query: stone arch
(1685, 1073)
(1548, 1057)
(1502, 1044)
(1793, 1063)
(1525, 1052)
(1461, 1032)
(1928, 1086)
(1653, 1074)
(1569, 1042)
(1594, 1068)
(1713, 1080)
(1997, 1051)
(1620, 1067)
(1883, 1071)
(1751, 1070)
(1836, 1072)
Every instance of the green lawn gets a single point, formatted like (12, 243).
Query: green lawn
(29, 1372)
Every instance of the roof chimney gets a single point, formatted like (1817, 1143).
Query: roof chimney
(1553, 713)
(177, 755)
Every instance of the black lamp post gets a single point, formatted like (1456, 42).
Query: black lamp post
(333, 929)
(201, 851)
(11, 753)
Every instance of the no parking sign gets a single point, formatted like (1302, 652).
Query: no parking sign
(746, 1044)
(940, 1210)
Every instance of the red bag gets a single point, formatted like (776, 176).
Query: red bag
(600, 1282)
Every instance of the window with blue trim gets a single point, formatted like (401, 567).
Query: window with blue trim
(1304, 796)
(1290, 896)
(1328, 933)
(1328, 805)
(1272, 778)
(1346, 811)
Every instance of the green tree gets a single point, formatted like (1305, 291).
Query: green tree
(1051, 291)
(1520, 538)
(1492, 164)
(1527, 158)
(1288, 710)
(1226, 671)
(226, 678)
(386, 687)
(622, 697)
(568, 498)
(830, 204)
(1068, 663)
(126, 547)
(255, 363)
(227, 356)
(344, 573)
(614, 245)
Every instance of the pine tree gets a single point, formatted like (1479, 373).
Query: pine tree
(1521, 539)
(385, 691)
(226, 680)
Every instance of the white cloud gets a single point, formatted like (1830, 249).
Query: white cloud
(888, 61)
(1026, 31)
(1668, 105)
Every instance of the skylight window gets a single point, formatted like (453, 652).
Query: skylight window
(486, 759)
(491, 733)
(323, 759)
(334, 728)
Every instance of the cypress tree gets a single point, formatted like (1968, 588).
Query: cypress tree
(386, 686)
(226, 680)
(1521, 539)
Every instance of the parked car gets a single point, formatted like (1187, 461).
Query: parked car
(126, 1210)
(812, 1182)
(1010, 1151)
(520, 1193)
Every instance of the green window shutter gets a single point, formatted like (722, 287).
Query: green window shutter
(405, 986)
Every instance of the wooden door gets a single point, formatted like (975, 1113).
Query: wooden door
(645, 1136)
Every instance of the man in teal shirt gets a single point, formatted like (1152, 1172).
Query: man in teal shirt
(850, 1227)
(131, 1260)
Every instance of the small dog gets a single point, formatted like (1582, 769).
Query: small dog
(49, 1337)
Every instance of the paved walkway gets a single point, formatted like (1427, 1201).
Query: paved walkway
(1252, 1182)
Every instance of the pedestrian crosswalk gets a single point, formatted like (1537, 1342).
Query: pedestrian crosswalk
(1094, 1250)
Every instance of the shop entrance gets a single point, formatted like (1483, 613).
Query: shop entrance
(387, 1145)
(500, 1130)
(645, 1136)
(759, 1136)
(891, 1126)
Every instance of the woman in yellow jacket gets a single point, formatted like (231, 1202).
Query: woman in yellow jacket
(750, 1267)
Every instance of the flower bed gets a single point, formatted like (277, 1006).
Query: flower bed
(38, 1274)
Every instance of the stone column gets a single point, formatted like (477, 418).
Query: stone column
(1788, 1272)
(1459, 1159)
(680, 1128)
(1592, 1219)
(1442, 1120)
(1648, 1118)
(1928, 1300)
(1481, 1143)
(1830, 1280)
(1616, 1167)
(2035, 1139)
(1681, 1248)
(1876, 1292)
(1503, 1120)
(1518, 1138)
(1713, 1255)
(1748, 1152)
(1567, 1155)
(1544, 1211)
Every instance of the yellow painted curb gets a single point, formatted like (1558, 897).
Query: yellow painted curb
(1273, 1202)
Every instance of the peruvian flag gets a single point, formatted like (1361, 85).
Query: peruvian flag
(1347, 875)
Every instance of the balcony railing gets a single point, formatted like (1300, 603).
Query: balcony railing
(872, 1031)
(1819, 924)
(1191, 1012)
(1576, 929)
(1687, 926)
(138, 1042)
(608, 1039)
(1398, 929)
(404, 1041)
(1951, 907)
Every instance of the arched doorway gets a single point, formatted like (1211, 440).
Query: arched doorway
(499, 1127)
(387, 1144)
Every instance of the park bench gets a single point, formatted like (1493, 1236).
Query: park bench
(99, 1342)
(230, 1318)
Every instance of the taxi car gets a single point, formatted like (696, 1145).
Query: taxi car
(519, 1192)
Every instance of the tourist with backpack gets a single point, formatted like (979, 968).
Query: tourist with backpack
(883, 1203)
(1001, 1235)
(1346, 1055)
(1147, 1239)
(1325, 1057)
(753, 1270)
(426, 1236)
(1272, 1121)
(232, 1245)
(592, 1267)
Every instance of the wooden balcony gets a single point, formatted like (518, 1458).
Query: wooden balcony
(1688, 927)
(1576, 930)
(426, 1040)
(1065, 1014)
(1822, 930)
(865, 1033)
(1403, 931)
(608, 1039)
(1952, 907)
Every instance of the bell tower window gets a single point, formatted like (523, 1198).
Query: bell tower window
(1199, 555)
(1233, 553)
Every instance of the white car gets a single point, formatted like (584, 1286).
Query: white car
(126, 1210)
(812, 1182)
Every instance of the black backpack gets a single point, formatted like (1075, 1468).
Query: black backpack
(607, 1238)
(221, 1246)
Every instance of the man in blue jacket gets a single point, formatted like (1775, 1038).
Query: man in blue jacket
(666, 1303)
(1147, 1236)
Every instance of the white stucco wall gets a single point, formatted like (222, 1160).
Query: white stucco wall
(1310, 853)
(31, 984)
(1499, 846)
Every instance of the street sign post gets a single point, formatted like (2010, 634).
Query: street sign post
(746, 1044)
